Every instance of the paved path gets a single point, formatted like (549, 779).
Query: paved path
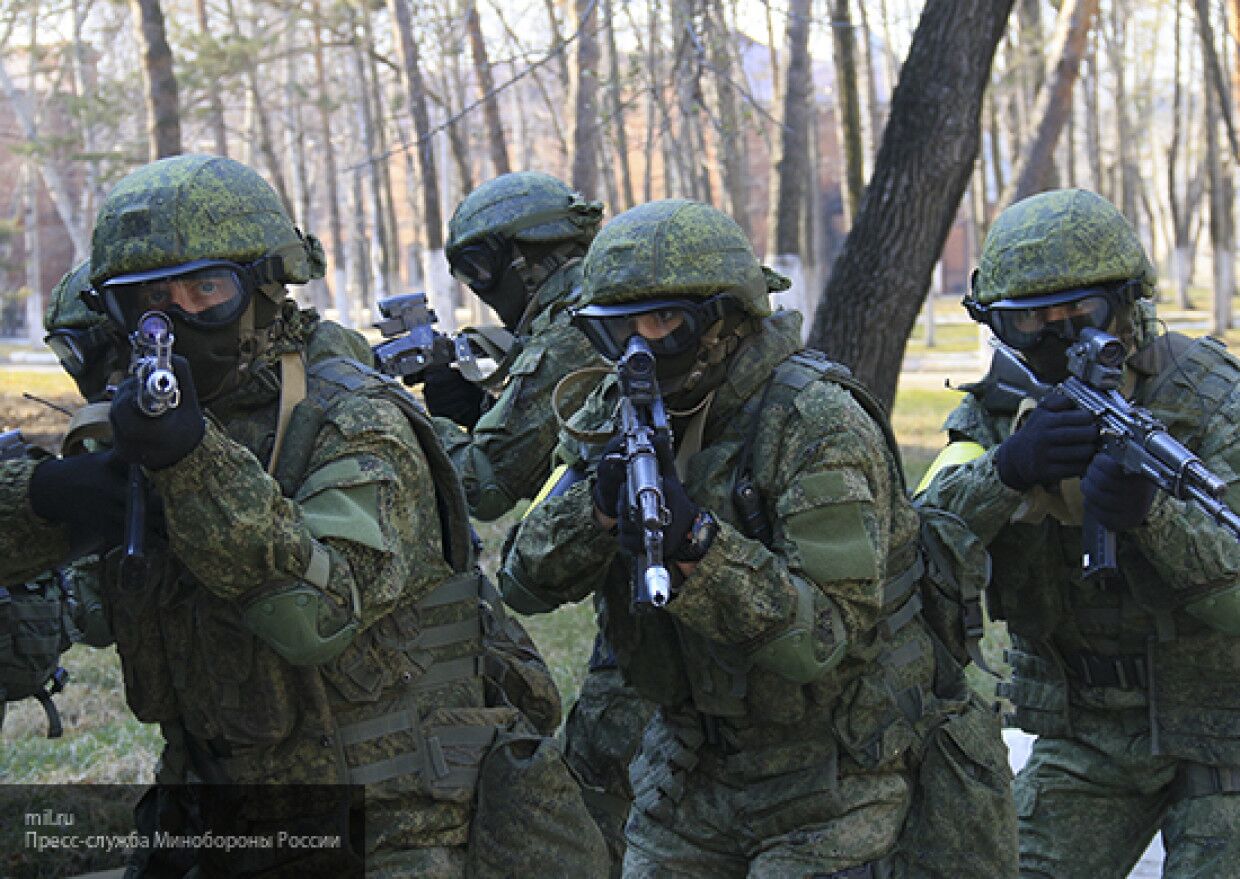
(1150, 865)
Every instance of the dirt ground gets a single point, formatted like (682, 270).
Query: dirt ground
(40, 423)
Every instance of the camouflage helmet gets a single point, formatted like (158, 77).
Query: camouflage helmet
(195, 207)
(65, 308)
(1059, 240)
(675, 249)
(526, 206)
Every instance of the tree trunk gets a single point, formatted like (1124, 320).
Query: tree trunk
(1222, 231)
(215, 106)
(731, 132)
(586, 131)
(163, 114)
(1035, 170)
(615, 100)
(490, 103)
(374, 214)
(873, 110)
(928, 149)
(266, 143)
(847, 106)
(1214, 74)
(322, 101)
(433, 217)
(793, 162)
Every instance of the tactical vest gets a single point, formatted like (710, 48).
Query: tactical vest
(879, 704)
(403, 705)
(1126, 646)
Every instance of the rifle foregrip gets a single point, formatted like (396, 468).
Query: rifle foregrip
(1097, 549)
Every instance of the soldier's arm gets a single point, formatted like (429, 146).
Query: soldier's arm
(1187, 547)
(508, 455)
(313, 570)
(797, 609)
(559, 553)
(28, 545)
(963, 479)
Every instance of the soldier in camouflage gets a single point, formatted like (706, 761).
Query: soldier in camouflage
(517, 242)
(1128, 681)
(795, 681)
(310, 612)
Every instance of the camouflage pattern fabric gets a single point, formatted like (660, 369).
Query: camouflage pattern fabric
(230, 706)
(507, 456)
(741, 765)
(600, 739)
(1059, 240)
(28, 545)
(1089, 804)
(1124, 686)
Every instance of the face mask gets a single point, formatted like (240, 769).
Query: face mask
(213, 354)
(507, 298)
(1048, 358)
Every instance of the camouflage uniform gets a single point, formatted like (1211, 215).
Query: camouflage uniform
(509, 452)
(791, 695)
(318, 623)
(28, 545)
(1129, 683)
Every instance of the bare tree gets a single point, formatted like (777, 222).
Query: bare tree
(586, 129)
(793, 163)
(163, 112)
(1036, 167)
(731, 132)
(880, 279)
(432, 217)
(215, 106)
(847, 105)
(486, 83)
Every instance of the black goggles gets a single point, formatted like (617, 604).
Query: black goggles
(203, 293)
(1022, 323)
(671, 326)
(81, 349)
(480, 264)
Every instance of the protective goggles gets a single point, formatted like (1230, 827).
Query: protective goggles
(480, 264)
(1022, 323)
(671, 326)
(79, 350)
(203, 293)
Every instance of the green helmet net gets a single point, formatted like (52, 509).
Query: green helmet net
(676, 249)
(1063, 239)
(65, 308)
(527, 206)
(194, 207)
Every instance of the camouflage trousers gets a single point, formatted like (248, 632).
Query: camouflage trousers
(787, 808)
(600, 738)
(1088, 804)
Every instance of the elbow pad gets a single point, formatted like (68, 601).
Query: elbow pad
(813, 643)
(1220, 611)
(300, 622)
(520, 597)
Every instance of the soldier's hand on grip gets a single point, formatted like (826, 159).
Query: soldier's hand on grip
(450, 395)
(1056, 442)
(1116, 499)
(681, 511)
(609, 476)
(157, 442)
(87, 494)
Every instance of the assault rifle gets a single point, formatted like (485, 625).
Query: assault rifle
(643, 424)
(413, 342)
(158, 391)
(1131, 434)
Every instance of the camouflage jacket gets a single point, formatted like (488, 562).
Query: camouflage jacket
(507, 456)
(28, 545)
(229, 704)
(1064, 629)
(841, 525)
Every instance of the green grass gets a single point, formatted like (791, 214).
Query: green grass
(953, 337)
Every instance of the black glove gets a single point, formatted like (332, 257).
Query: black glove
(680, 507)
(450, 395)
(87, 494)
(1056, 442)
(1116, 500)
(158, 442)
(609, 478)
